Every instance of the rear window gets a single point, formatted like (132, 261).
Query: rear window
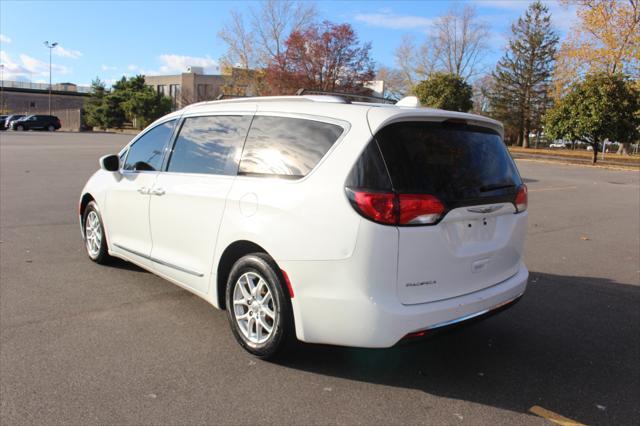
(286, 147)
(459, 164)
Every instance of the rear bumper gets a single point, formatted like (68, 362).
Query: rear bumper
(358, 319)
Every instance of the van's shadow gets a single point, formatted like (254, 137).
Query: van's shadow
(572, 345)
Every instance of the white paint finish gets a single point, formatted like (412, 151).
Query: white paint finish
(465, 252)
(184, 225)
(126, 213)
(345, 270)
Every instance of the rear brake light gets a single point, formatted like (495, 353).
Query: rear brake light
(419, 209)
(397, 209)
(377, 206)
(521, 199)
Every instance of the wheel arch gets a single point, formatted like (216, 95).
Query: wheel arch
(229, 257)
(84, 202)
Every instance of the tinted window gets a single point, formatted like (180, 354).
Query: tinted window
(457, 163)
(288, 147)
(146, 152)
(209, 145)
(369, 172)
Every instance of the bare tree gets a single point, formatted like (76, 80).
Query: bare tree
(256, 40)
(413, 63)
(460, 42)
(395, 86)
(240, 43)
(275, 20)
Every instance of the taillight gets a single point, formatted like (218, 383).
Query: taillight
(397, 209)
(377, 206)
(521, 199)
(419, 209)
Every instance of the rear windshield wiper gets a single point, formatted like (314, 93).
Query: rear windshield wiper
(497, 186)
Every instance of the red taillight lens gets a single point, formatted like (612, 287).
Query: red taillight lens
(521, 199)
(378, 206)
(419, 209)
(393, 209)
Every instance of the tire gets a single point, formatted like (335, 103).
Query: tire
(95, 241)
(51, 127)
(252, 313)
(20, 128)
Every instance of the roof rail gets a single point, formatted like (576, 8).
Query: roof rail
(348, 97)
(239, 98)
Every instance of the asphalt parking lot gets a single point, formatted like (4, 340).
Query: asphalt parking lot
(83, 344)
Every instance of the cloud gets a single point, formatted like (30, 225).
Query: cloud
(386, 19)
(4, 39)
(133, 67)
(66, 53)
(28, 68)
(175, 64)
(108, 68)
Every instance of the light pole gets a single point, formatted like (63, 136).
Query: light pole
(50, 46)
(2, 88)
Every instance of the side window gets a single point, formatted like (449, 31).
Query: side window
(287, 147)
(210, 144)
(146, 152)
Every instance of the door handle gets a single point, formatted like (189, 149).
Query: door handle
(157, 191)
(143, 190)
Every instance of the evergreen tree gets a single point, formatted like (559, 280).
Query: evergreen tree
(523, 75)
(92, 106)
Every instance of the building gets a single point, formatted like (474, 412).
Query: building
(187, 87)
(67, 100)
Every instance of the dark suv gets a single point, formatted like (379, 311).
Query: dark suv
(37, 122)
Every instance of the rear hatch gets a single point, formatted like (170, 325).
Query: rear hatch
(454, 194)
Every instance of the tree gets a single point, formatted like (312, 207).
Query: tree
(394, 86)
(325, 57)
(128, 99)
(522, 76)
(92, 106)
(598, 108)
(460, 41)
(445, 91)
(255, 41)
(606, 38)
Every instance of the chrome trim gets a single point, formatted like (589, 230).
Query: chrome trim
(160, 262)
(473, 315)
(484, 210)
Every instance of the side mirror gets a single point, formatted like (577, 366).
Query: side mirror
(110, 163)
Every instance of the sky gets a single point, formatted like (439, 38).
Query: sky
(116, 38)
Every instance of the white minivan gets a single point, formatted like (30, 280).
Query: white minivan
(317, 218)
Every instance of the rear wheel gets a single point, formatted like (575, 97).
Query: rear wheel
(258, 310)
(51, 127)
(94, 236)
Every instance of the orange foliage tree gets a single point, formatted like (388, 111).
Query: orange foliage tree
(606, 39)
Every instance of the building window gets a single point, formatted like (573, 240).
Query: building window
(174, 93)
(162, 89)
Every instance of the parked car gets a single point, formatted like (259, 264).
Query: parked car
(11, 118)
(318, 219)
(37, 122)
(558, 144)
(2, 120)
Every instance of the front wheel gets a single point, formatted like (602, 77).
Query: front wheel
(20, 128)
(258, 309)
(95, 240)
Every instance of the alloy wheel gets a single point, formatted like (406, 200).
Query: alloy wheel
(93, 234)
(254, 308)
